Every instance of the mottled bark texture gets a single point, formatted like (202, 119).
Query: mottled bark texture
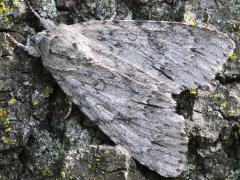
(122, 75)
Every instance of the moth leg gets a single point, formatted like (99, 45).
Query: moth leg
(6, 30)
(46, 23)
(69, 110)
(31, 50)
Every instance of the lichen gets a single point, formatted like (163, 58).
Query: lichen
(35, 103)
(47, 9)
(48, 91)
(12, 101)
(207, 17)
(47, 171)
(193, 91)
(7, 130)
(98, 159)
(9, 140)
(5, 121)
(236, 29)
(3, 8)
(2, 113)
(232, 112)
(89, 167)
(6, 11)
(106, 152)
(63, 175)
(223, 104)
(216, 95)
(191, 21)
(233, 57)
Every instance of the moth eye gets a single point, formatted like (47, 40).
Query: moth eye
(74, 45)
(178, 170)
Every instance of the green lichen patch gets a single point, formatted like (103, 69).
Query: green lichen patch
(89, 167)
(3, 8)
(48, 91)
(193, 91)
(232, 112)
(62, 175)
(98, 159)
(216, 95)
(9, 140)
(233, 57)
(47, 171)
(6, 11)
(2, 113)
(236, 29)
(12, 101)
(5, 122)
(223, 104)
(191, 21)
(35, 103)
(7, 130)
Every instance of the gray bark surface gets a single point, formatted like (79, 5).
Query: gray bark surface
(122, 75)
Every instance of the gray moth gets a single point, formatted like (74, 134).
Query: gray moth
(122, 75)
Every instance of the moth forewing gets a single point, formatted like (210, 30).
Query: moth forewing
(122, 75)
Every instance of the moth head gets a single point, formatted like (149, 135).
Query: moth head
(39, 38)
(35, 48)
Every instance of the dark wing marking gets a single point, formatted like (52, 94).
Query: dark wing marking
(122, 74)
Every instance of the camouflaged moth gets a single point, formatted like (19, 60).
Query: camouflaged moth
(122, 75)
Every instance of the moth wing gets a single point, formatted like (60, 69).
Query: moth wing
(186, 55)
(122, 76)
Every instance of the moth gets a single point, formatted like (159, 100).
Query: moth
(122, 75)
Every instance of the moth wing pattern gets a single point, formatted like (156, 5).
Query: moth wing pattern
(122, 75)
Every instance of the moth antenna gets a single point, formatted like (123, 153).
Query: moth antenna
(31, 50)
(47, 24)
